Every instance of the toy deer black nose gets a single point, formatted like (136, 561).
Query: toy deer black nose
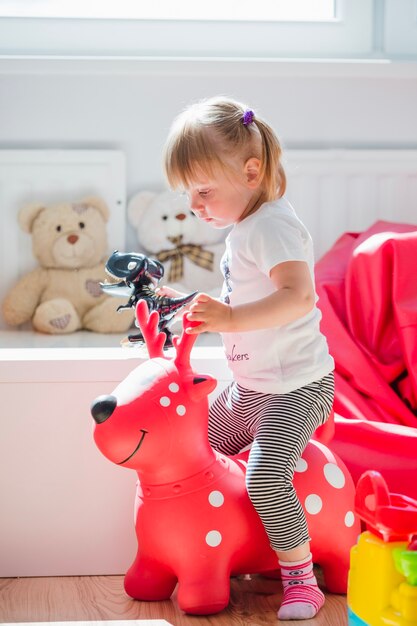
(102, 408)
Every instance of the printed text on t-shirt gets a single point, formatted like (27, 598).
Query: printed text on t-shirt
(237, 357)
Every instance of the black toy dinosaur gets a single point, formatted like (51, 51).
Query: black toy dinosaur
(138, 277)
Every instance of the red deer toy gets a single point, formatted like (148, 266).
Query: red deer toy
(195, 524)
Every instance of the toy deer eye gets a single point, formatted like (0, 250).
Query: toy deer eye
(81, 225)
(165, 217)
(58, 229)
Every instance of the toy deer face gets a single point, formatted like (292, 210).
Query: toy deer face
(158, 411)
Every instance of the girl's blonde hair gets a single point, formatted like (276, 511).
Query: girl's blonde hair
(216, 132)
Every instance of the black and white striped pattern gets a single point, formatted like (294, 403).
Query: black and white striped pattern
(279, 427)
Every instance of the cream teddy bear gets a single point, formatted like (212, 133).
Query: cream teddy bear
(63, 294)
(189, 249)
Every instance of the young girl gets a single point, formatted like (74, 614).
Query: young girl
(228, 160)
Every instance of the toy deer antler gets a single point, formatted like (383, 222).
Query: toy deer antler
(148, 324)
(184, 344)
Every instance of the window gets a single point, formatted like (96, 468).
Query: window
(400, 28)
(309, 29)
(262, 10)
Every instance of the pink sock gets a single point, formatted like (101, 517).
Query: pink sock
(302, 597)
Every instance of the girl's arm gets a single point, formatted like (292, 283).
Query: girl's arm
(294, 297)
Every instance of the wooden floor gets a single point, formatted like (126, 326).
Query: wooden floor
(95, 598)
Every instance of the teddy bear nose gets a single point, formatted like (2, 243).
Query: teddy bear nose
(180, 216)
(72, 239)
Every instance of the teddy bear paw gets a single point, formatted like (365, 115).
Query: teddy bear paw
(105, 318)
(93, 288)
(61, 323)
(56, 317)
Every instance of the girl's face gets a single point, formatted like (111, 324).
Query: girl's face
(222, 199)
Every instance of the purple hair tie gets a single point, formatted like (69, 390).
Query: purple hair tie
(248, 117)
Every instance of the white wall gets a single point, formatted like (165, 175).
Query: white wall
(129, 105)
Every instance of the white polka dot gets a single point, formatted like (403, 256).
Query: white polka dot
(174, 387)
(216, 498)
(349, 519)
(313, 504)
(301, 465)
(213, 538)
(180, 409)
(334, 475)
(164, 401)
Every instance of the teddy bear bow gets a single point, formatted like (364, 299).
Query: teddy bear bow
(195, 253)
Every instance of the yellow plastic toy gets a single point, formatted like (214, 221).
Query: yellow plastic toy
(382, 584)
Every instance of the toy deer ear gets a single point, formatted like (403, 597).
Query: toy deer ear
(202, 386)
(28, 214)
(137, 205)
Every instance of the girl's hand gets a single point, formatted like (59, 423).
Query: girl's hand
(214, 316)
(169, 292)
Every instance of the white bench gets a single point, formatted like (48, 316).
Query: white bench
(65, 509)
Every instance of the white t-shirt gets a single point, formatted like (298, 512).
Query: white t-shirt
(282, 358)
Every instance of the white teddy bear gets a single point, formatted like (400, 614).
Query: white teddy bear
(189, 249)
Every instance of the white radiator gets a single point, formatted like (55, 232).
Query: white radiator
(52, 176)
(334, 191)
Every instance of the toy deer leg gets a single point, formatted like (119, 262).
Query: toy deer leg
(147, 580)
(206, 593)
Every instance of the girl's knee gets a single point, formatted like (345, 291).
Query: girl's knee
(262, 489)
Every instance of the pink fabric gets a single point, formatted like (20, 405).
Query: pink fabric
(367, 289)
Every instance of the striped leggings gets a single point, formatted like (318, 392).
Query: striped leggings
(279, 427)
